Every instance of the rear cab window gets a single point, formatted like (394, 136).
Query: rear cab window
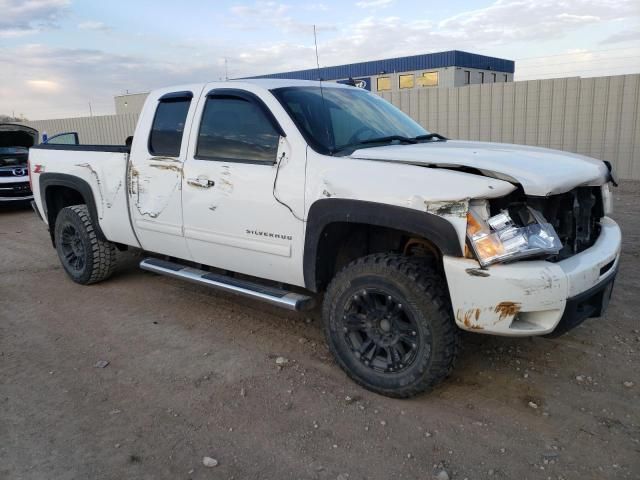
(168, 124)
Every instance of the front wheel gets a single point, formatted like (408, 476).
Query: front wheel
(388, 323)
(85, 257)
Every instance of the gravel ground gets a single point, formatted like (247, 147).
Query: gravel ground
(192, 373)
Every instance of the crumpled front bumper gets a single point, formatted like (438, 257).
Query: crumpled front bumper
(535, 297)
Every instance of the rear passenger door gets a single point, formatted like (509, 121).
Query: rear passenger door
(243, 187)
(154, 177)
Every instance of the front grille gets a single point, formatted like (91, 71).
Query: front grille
(9, 172)
(19, 189)
(575, 216)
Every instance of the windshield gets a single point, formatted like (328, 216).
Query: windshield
(334, 119)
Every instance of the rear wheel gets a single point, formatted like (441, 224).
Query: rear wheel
(86, 258)
(388, 323)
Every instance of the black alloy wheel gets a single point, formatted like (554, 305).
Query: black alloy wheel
(73, 251)
(389, 324)
(381, 333)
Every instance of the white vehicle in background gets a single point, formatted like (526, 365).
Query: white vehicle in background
(280, 190)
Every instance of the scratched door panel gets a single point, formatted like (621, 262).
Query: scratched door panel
(155, 172)
(232, 219)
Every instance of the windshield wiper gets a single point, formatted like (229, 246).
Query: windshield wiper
(430, 136)
(387, 139)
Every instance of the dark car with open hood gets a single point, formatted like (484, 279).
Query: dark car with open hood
(15, 141)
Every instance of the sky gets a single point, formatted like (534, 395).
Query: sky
(63, 58)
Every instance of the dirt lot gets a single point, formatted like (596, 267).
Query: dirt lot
(192, 373)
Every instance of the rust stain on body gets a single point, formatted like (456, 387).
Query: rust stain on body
(507, 309)
(469, 318)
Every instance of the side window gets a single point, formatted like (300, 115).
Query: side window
(168, 126)
(68, 138)
(235, 129)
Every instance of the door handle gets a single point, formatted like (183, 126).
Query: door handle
(201, 182)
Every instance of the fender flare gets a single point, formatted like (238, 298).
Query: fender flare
(335, 210)
(81, 186)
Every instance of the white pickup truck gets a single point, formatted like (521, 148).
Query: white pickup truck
(283, 190)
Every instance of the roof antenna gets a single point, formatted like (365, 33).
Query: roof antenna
(315, 41)
(324, 107)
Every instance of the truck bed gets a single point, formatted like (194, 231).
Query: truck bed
(101, 171)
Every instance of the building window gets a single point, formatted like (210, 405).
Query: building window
(506, 77)
(234, 129)
(428, 79)
(467, 77)
(481, 77)
(493, 77)
(406, 81)
(383, 83)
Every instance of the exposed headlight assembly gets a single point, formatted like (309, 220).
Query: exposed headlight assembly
(499, 239)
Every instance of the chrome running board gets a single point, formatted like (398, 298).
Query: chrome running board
(274, 296)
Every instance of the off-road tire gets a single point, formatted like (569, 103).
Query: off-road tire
(423, 293)
(93, 259)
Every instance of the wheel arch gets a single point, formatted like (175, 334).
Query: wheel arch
(329, 216)
(59, 190)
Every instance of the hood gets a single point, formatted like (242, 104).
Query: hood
(540, 171)
(15, 141)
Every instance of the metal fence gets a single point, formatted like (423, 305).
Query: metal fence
(598, 117)
(101, 130)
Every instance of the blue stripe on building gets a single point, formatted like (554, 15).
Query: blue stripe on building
(452, 58)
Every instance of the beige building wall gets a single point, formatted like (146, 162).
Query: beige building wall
(598, 117)
(130, 103)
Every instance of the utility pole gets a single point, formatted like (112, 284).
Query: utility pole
(226, 69)
(90, 111)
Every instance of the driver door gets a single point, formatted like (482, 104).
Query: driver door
(243, 188)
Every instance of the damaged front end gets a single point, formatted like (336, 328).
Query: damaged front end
(518, 226)
(546, 263)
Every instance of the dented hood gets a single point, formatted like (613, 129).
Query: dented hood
(540, 171)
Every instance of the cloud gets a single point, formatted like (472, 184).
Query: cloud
(22, 17)
(624, 36)
(43, 85)
(276, 15)
(32, 72)
(509, 20)
(316, 7)
(261, 10)
(94, 25)
(374, 3)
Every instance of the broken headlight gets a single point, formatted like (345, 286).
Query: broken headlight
(499, 239)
